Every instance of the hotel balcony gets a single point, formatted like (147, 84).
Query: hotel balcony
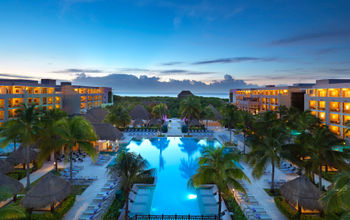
(335, 129)
(335, 122)
(346, 93)
(346, 108)
(333, 92)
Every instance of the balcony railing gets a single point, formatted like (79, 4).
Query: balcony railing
(335, 109)
(335, 121)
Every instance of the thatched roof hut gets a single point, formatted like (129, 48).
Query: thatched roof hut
(139, 112)
(107, 131)
(96, 115)
(301, 192)
(19, 156)
(216, 112)
(5, 167)
(154, 122)
(50, 190)
(184, 94)
(9, 184)
(193, 122)
(138, 122)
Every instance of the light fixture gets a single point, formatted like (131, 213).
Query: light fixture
(192, 196)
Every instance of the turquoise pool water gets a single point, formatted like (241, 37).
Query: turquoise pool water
(175, 161)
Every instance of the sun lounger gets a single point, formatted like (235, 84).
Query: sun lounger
(91, 211)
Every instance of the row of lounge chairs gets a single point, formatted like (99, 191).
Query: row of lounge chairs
(148, 132)
(102, 159)
(250, 206)
(288, 168)
(130, 130)
(205, 133)
(94, 209)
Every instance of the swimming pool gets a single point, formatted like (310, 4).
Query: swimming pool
(175, 161)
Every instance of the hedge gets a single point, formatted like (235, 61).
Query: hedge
(291, 213)
(233, 207)
(113, 210)
(58, 213)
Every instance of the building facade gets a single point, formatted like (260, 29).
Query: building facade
(329, 100)
(256, 100)
(13, 93)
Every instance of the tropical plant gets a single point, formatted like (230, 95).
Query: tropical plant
(25, 128)
(159, 111)
(207, 114)
(216, 166)
(336, 200)
(244, 125)
(190, 108)
(10, 211)
(229, 117)
(266, 143)
(49, 140)
(118, 116)
(75, 133)
(131, 169)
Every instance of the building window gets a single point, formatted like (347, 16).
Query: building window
(321, 105)
(312, 104)
(334, 106)
(334, 118)
(346, 119)
(58, 99)
(322, 116)
(313, 113)
(333, 92)
(346, 93)
(2, 103)
(335, 129)
(322, 92)
(346, 108)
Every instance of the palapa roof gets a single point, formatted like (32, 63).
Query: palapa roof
(216, 112)
(19, 156)
(95, 115)
(139, 112)
(49, 190)
(9, 184)
(303, 192)
(138, 122)
(154, 121)
(106, 131)
(5, 167)
(184, 94)
(194, 122)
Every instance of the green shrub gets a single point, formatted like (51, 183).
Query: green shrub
(233, 207)
(291, 213)
(113, 211)
(184, 129)
(164, 128)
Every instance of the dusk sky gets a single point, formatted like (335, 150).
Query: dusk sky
(134, 44)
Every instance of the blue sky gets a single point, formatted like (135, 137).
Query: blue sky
(259, 42)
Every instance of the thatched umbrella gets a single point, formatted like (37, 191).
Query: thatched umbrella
(139, 112)
(107, 131)
(47, 192)
(194, 122)
(95, 115)
(10, 185)
(138, 122)
(19, 156)
(302, 193)
(216, 112)
(154, 122)
(5, 167)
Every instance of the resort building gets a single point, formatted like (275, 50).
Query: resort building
(15, 92)
(256, 100)
(73, 99)
(80, 99)
(329, 100)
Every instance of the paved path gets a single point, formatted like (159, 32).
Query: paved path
(174, 127)
(84, 200)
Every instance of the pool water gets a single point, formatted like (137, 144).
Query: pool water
(175, 161)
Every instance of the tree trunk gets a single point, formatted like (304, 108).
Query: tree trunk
(55, 159)
(28, 167)
(14, 145)
(126, 212)
(244, 136)
(230, 135)
(320, 179)
(273, 177)
(219, 211)
(71, 166)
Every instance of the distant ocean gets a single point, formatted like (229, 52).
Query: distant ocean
(217, 95)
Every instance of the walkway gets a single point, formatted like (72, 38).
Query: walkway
(84, 200)
(47, 167)
(174, 127)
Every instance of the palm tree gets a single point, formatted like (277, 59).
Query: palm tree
(49, 140)
(118, 116)
(74, 133)
(266, 143)
(229, 117)
(131, 169)
(26, 128)
(244, 125)
(159, 111)
(220, 168)
(190, 108)
(336, 200)
(207, 114)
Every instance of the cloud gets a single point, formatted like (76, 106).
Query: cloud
(235, 60)
(187, 72)
(134, 70)
(8, 75)
(145, 84)
(78, 71)
(326, 35)
(171, 63)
